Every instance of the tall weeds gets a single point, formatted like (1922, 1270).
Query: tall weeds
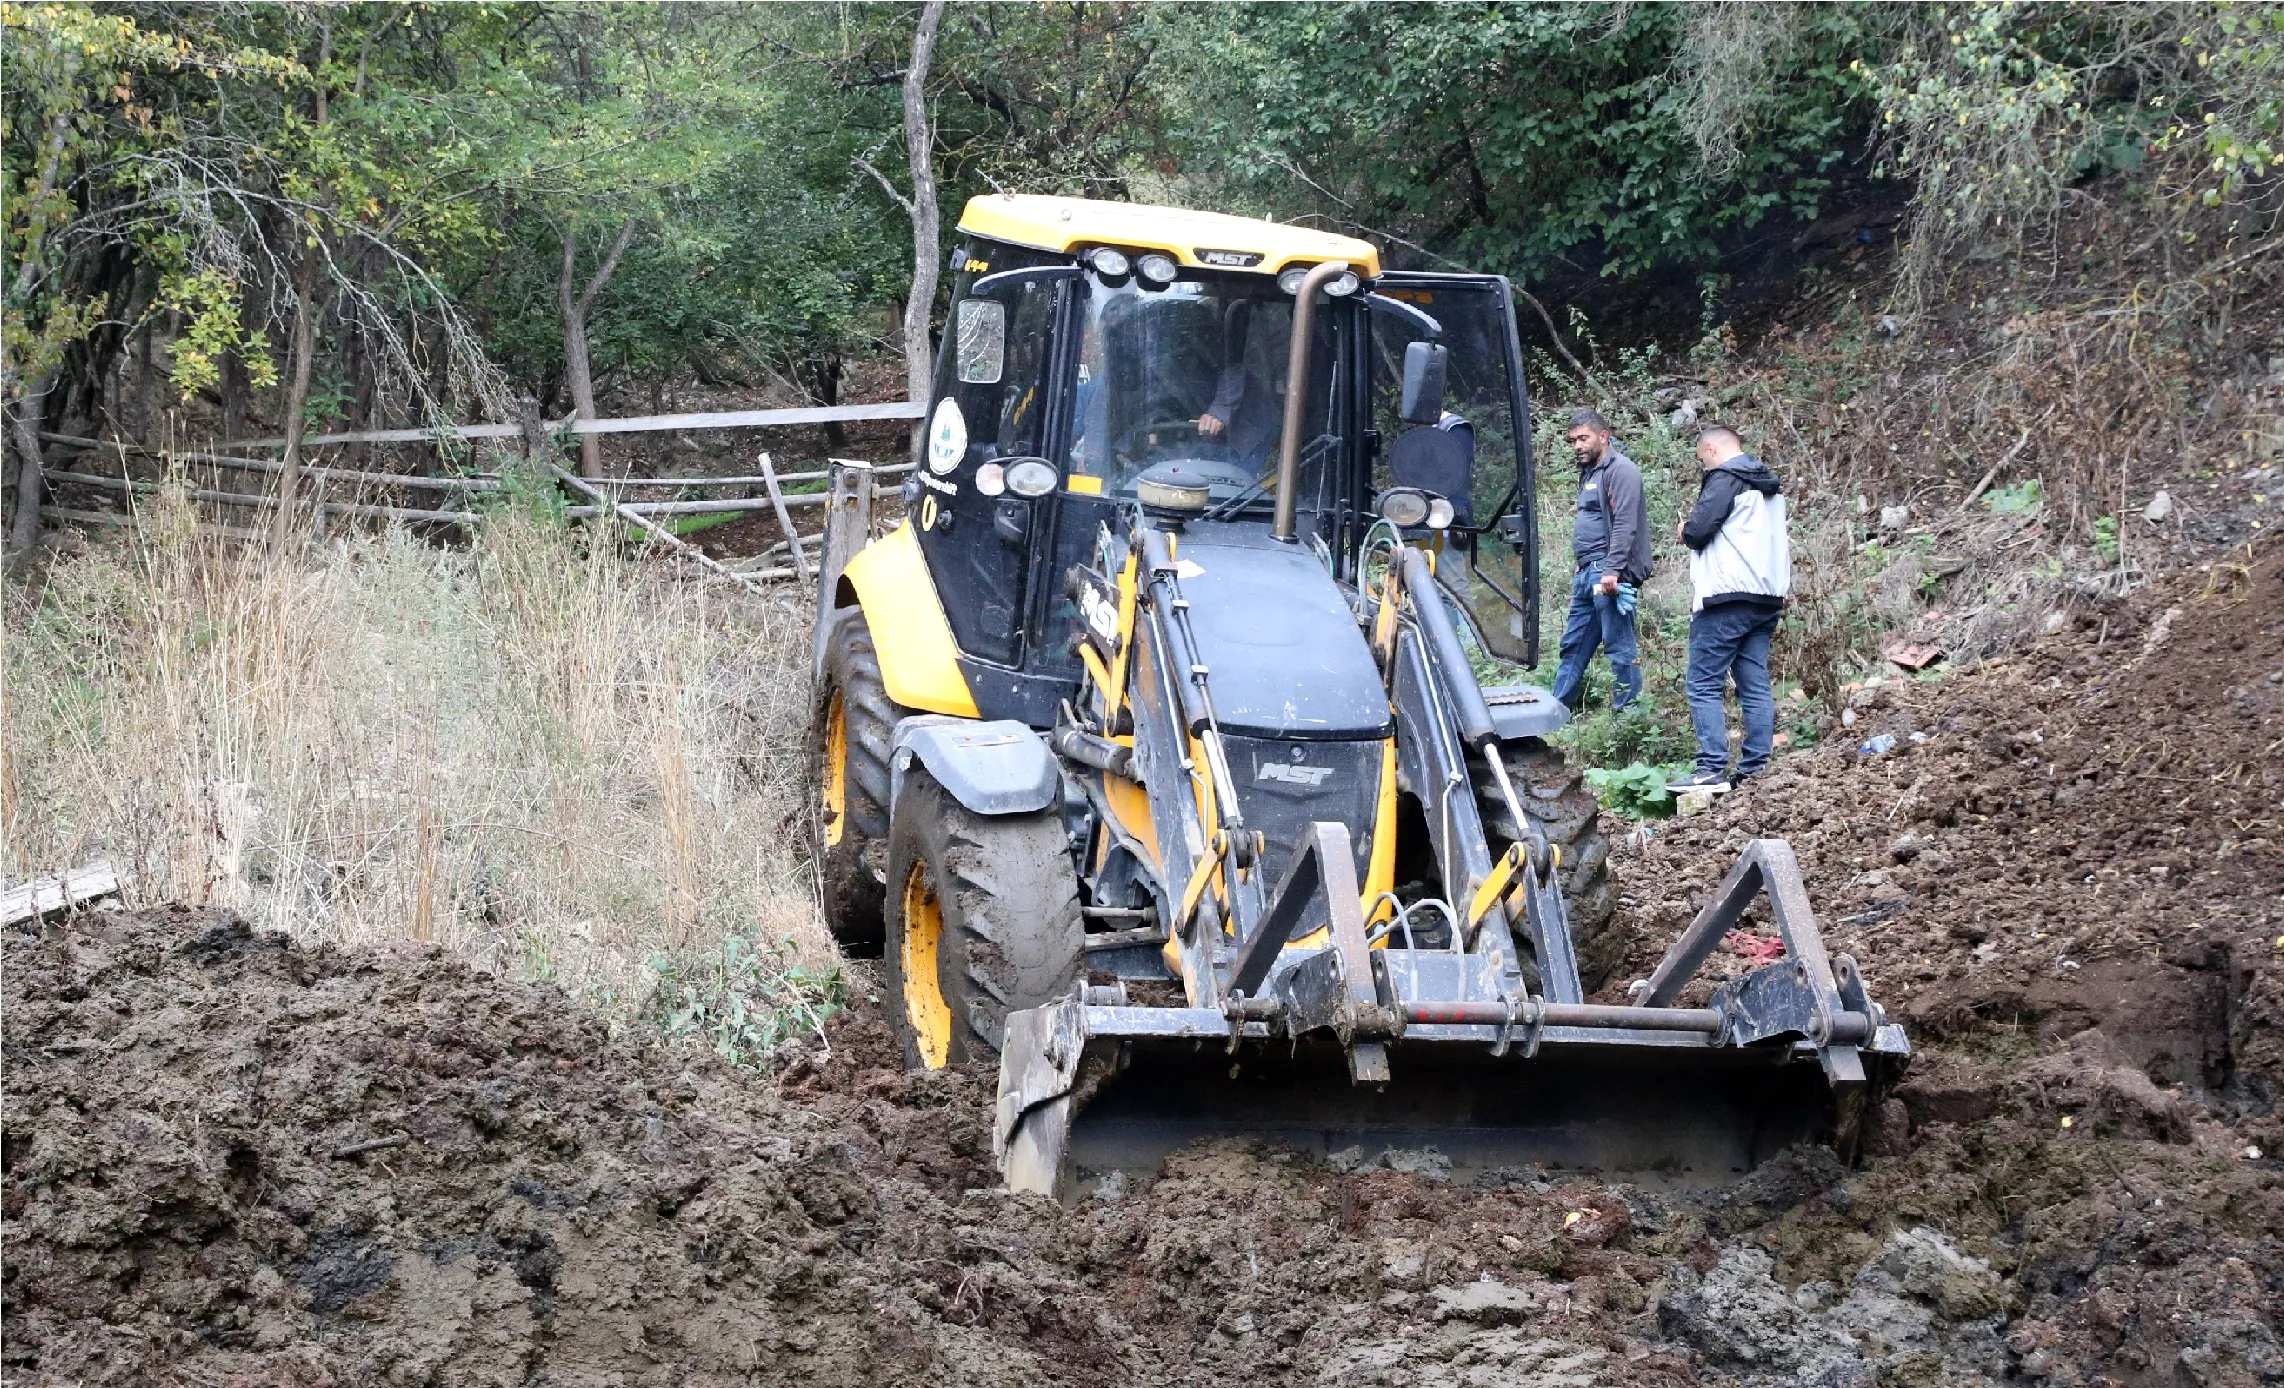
(533, 751)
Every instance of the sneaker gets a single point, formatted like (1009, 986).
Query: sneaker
(1702, 782)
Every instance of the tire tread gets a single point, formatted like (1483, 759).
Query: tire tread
(1557, 800)
(1008, 895)
(853, 896)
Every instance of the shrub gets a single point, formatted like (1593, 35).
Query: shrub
(1636, 790)
(745, 999)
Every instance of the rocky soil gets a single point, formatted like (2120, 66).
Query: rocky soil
(232, 1161)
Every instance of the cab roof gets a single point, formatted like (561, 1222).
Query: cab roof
(1193, 238)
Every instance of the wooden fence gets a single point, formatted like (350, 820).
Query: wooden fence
(796, 555)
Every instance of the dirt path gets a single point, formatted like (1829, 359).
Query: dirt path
(229, 1161)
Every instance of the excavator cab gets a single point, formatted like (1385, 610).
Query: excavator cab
(1161, 753)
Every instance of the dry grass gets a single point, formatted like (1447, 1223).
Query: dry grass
(534, 751)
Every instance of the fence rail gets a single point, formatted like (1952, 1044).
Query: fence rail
(605, 492)
(468, 482)
(632, 424)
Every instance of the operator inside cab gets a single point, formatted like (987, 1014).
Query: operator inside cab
(1193, 370)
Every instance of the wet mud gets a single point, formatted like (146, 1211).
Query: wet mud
(232, 1161)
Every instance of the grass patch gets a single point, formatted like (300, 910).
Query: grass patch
(745, 999)
(535, 750)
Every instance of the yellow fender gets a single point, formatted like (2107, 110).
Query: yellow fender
(919, 663)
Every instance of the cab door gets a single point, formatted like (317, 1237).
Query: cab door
(990, 406)
(1485, 390)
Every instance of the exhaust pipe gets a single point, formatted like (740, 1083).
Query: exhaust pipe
(1296, 396)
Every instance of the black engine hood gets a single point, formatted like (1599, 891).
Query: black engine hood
(1285, 654)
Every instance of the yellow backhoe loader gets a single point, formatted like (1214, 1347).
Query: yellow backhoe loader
(1156, 751)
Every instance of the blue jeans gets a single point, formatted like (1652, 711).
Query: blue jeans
(1732, 639)
(1596, 621)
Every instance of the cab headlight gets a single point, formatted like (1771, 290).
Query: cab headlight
(1108, 263)
(1404, 506)
(1158, 269)
(1340, 286)
(1031, 477)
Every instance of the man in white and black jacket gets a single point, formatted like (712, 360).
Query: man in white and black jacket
(1740, 572)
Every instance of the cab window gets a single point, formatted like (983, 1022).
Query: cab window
(1194, 373)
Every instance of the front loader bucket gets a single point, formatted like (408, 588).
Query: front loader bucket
(1637, 1106)
(1429, 1065)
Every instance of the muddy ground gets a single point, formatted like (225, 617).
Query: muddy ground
(232, 1161)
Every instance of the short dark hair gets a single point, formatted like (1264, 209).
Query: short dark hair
(1591, 419)
(1720, 431)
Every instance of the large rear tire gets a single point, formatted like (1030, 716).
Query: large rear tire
(1563, 809)
(983, 920)
(849, 735)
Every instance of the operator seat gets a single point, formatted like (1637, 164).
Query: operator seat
(1440, 458)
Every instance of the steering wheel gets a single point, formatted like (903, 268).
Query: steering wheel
(1185, 428)
(1215, 472)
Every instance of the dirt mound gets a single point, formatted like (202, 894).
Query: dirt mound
(233, 1161)
(2067, 880)
(2091, 834)
(229, 1160)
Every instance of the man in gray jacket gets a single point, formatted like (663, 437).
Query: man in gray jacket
(1610, 544)
(1740, 572)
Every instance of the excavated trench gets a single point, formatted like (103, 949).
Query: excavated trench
(230, 1160)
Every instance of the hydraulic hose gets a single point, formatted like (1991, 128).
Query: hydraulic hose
(1179, 643)
(1475, 724)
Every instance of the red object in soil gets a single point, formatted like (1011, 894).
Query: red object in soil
(1913, 656)
(1755, 950)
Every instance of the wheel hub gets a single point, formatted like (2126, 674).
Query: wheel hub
(925, 1010)
(835, 787)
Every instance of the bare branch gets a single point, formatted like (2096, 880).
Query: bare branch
(1556, 337)
(610, 266)
(885, 186)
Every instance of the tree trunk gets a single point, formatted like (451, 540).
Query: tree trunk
(30, 409)
(236, 393)
(297, 394)
(826, 372)
(146, 425)
(927, 230)
(31, 405)
(578, 374)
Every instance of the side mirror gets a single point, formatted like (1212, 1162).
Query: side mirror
(1424, 366)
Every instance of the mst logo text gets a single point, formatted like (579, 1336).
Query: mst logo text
(1311, 776)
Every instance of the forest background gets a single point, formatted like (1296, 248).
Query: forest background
(461, 202)
(1981, 279)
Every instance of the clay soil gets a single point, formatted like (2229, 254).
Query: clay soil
(233, 1161)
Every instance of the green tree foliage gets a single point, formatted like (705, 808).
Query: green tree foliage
(213, 152)
(80, 89)
(175, 168)
(750, 251)
(1996, 112)
(1524, 138)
